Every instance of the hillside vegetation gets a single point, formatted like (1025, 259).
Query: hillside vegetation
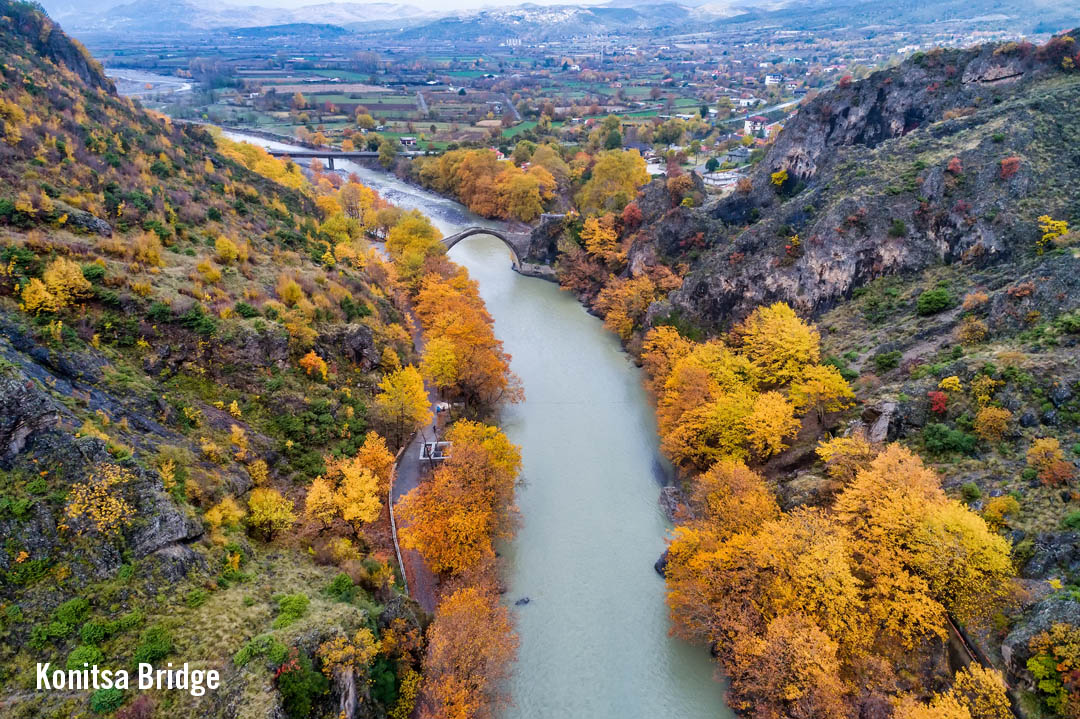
(924, 220)
(205, 372)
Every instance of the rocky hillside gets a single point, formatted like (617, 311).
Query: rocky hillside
(949, 157)
(176, 331)
(922, 217)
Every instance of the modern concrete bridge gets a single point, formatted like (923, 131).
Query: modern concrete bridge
(331, 155)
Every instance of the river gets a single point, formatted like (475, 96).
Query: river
(594, 634)
(142, 84)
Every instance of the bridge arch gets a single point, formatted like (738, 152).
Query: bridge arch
(513, 240)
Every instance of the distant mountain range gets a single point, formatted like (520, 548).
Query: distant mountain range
(200, 15)
(195, 15)
(539, 22)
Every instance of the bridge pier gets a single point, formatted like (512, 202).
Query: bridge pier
(330, 166)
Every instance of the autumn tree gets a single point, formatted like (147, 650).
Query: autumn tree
(454, 518)
(771, 420)
(1046, 457)
(976, 693)
(411, 241)
(616, 177)
(548, 157)
(624, 302)
(601, 240)
(982, 691)
(321, 501)
(791, 671)
(440, 364)
(821, 388)
(471, 646)
(402, 403)
(98, 503)
(845, 456)
(777, 341)
(991, 423)
(60, 285)
(344, 660)
(924, 553)
(269, 513)
(358, 495)
(662, 347)
(732, 498)
(377, 458)
(463, 357)
(440, 520)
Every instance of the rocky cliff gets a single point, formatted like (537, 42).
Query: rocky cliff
(949, 157)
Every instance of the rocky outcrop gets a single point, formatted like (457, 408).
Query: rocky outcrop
(37, 440)
(543, 240)
(24, 411)
(938, 160)
(83, 221)
(1016, 650)
(1053, 553)
(353, 342)
(157, 522)
(880, 423)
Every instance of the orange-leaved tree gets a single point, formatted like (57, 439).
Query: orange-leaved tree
(471, 646)
(454, 518)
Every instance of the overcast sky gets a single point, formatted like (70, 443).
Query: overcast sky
(433, 5)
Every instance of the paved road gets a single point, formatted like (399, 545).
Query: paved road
(410, 473)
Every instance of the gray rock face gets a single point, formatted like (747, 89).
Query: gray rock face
(354, 342)
(671, 499)
(157, 522)
(881, 420)
(861, 199)
(84, 221)
(258, 349)
(36, 432)
(543, 241)
(1015, 650)
(24, 410)
(896, 102)
(1053, 552)
(48, 40)
(1060, 395)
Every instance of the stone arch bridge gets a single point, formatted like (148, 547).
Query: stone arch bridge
(518, 242)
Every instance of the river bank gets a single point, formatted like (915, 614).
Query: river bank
(594, 634)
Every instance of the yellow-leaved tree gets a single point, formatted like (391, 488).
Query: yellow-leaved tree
(321, 501)
(402, 403)
(821, 388)
(61, 283)
(777, 341)
(269, 513)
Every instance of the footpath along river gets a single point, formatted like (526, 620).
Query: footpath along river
(594, 634)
